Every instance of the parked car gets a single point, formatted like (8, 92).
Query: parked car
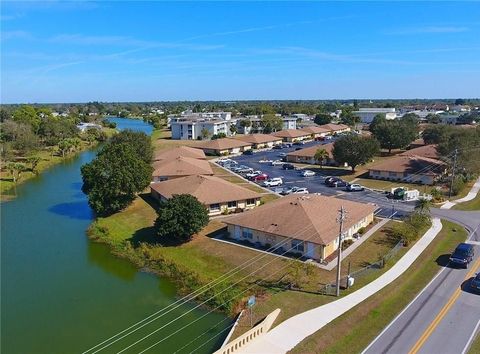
(277, 147)
(265, 161)
(354, 187)
(288, 190)
(300, 191)
(282, 154)
(328, 137)
(328, 179)
(273, 182)
(475, 283)
(248, 152)
(287, 145)
(253, 174)
(462, 255)
(288, 166)
(244, 170)
(277, 162)
(299, 143)
(307, 173)
(336, 182)
(260, 177)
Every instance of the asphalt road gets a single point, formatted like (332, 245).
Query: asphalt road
(445, 316)
(315, 184)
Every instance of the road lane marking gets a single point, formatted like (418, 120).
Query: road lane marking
(423, 338)
(404, 310)
(472, 337)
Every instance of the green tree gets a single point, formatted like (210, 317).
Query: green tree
(321, 155)
(395, 134)
(436, 134)
(138, 141)
(113, 178)
(64, 146)
(423, 205)
(16, 169)
(377, 121)
(404, 232)
(205, 133)
(354, 150)
(271, 123)
(245, 123)
(323, 118)
(33, 161)
(4, 115)
(218, 136)
(233, 129)
(180, 217)
(27, 115)
(433, 118)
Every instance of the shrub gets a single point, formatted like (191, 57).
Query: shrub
(458, 185)
(419, 221)
(362, 230)
(346, 244)
(404, 232)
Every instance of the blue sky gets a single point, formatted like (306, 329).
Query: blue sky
(144, 51)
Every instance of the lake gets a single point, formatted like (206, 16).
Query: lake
(62, 293)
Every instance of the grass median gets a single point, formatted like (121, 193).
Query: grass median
(354, 330)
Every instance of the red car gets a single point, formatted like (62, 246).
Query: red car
(260, 177)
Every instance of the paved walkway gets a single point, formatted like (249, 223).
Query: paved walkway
(289, 333)
(471, 195)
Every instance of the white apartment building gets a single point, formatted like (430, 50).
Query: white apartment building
(195, 129)
(288, 123)
(367, 114)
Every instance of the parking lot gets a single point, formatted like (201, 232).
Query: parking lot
(315, 184)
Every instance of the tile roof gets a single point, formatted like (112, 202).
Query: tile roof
(223, 144)
(411, 165)
(429, 151)
(290, 133)
(335, 127)
(310, 218)
(181, 151)
(258, 138)
(181, 166)
(310, 151)
(207, 189)
(315, 129)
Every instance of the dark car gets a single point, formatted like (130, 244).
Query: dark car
(475, 283)
(299, 143)
(328, 179)
(277, 147)
(463, 255)
(335, 182)
(248, 152)
(288, 166)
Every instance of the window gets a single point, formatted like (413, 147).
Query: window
(297, 245)
(392, 174)
(250, 201)
(232, 204)
(214, 207)
(247, 233)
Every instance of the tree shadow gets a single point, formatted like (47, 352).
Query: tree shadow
(443, 260)
(467, 287)
(75, 210)
(144, 235)
(147, 198)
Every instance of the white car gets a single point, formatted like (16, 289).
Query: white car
(300, 191)
(273, 182)
(277, 163)
(307, 173)
(253, 174)
(265, 161)
(282, 154)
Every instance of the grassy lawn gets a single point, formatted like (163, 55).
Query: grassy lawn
(473, 204)
(354, 330)
(475, 348)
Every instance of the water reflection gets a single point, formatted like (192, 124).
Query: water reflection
(99, 255)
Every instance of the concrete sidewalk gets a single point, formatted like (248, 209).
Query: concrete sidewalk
(289, 333)
(470, 196)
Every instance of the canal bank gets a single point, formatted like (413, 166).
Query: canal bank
(62, 293)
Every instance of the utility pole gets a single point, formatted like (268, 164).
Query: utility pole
(341, 218)
(453, 173)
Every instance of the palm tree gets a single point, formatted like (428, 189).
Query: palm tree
(205, 133)
(320, 156)
(423, 205)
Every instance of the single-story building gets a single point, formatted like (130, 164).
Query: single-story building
(409, 168)
(181, 151)
(305, 225)
(260, 141)
(336, 128)
(307, 155)
(316, 132)
(218, 195)
(292, 135)
(429, 151)
(224, 146)
(180, 167)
